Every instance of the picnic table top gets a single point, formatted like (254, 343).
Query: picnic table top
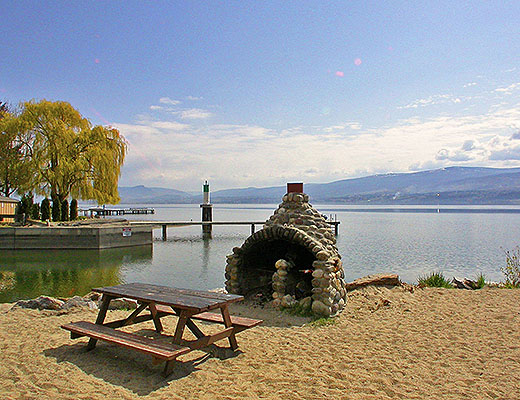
(195, 300)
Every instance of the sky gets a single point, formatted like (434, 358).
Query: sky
(260, 93)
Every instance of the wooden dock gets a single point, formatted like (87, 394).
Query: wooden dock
(165, 224)
(104, 212)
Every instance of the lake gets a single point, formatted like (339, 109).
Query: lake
(411, 241)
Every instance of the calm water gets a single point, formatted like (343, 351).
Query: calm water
(409, 243)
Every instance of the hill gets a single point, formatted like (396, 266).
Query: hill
(452, 185)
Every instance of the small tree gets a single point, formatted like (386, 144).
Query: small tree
(46, 209)
(56, 209)
(35, 211)
(26, 204)
(512, 268)
(65, 210)
(73, 209)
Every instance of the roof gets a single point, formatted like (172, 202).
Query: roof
(7, 200)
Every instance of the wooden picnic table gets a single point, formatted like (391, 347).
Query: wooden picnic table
(188, 305)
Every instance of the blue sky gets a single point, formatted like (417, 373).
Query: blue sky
(258, 93)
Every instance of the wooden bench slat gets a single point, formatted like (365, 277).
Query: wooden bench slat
(241, 322)
(143, 344)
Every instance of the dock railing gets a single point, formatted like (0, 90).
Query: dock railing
(165, 224)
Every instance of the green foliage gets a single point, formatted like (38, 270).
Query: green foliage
(298, 310)
(35, 211)
(512, 268)
(16, 172)
(73, 209)
(323, 322)
(56, 209)
(481, 281)
(65, 210)
(46, 209)
(435, 279)
(69, 156)
(25, 205)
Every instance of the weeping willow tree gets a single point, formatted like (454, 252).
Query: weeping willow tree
(70, 157)
(16, 173)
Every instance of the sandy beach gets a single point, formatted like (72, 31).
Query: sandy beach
(387, 344)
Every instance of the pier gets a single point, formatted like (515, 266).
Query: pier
(165, 224)
(104, 212)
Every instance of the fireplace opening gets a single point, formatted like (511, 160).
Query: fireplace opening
(259, 264)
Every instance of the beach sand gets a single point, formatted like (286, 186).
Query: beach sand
(387, 344)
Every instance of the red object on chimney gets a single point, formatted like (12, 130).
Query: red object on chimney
(295, 187)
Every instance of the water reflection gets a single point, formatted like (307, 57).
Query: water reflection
(63, 273)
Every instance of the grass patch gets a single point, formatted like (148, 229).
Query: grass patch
(481, 281)
(306, 311)
(324, 321)
(435, 279)
(298, 310)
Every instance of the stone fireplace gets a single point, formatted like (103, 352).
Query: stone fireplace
(294, 258)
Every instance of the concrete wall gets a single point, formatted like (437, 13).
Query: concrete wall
(73, 237)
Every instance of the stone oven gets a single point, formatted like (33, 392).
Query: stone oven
(294, 258)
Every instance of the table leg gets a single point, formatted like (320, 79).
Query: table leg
(179, 330)
(227, 322)
(156, 319)
(105, 301)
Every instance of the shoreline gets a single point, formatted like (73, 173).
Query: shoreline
(387, 344)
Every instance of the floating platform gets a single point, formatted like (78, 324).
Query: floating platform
(93, 236)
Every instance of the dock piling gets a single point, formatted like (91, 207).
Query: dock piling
(164, 232)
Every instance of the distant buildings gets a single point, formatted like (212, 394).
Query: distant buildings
(7, 207)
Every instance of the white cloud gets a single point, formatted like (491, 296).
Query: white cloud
(432, 100)
(178, 154)
(169, 125)
(155, 108)
(509, 89)
(470, 84)
(193, 113)
(194, 98)
(167, 100)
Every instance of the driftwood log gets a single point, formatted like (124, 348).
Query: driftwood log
(374, 280)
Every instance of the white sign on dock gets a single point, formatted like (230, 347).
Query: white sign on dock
(127, 231)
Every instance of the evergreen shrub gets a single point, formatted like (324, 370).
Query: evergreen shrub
(73, 209)
(46, 209)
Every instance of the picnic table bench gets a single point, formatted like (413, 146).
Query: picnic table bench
(162, 301)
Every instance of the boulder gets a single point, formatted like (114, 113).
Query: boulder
(77, 301)
(122, 304)
(41, 303)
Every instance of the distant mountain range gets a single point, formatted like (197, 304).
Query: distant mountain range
(452, 185)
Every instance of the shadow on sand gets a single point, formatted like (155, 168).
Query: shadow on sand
(130, 369)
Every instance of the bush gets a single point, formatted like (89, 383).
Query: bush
(435, 279)
(25, 205)
(46, 209)
(73, 210)
(64, 210)
(481, 281)
(512, 268)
